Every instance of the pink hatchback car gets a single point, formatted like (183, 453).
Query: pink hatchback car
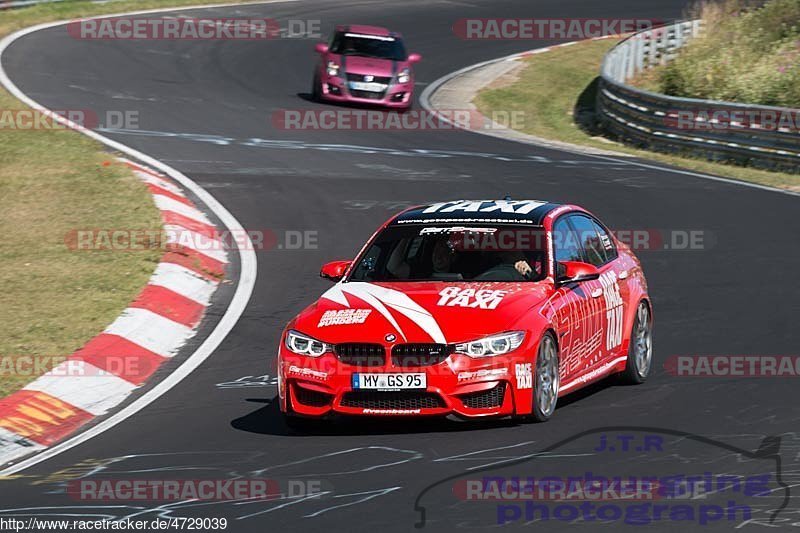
(365, 65)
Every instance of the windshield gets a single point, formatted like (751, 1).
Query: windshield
(454, 253)
(356, 44)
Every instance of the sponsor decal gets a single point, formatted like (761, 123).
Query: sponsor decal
(524, 374)
(308, 373)
(391, 411)
(613, 309)
(471, 298)
(343, 317)
(483, 373)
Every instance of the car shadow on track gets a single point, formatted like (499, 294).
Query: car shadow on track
(268, 420)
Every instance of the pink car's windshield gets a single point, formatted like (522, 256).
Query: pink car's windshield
(355, 44)
(454, 253)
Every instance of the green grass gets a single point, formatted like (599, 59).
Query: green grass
(548, 88)
(745, 54)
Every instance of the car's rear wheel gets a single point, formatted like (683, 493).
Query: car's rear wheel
(640, 351)
(547, 381)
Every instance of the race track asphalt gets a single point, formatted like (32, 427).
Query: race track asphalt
(205, 108)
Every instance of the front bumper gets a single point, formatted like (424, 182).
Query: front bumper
(460, 385)
(336, 89)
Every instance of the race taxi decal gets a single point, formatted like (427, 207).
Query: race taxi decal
(613, 300)
(524, 374)
(471, 298)
(343, 317)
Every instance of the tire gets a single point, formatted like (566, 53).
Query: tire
(546, 380)
(316, 90)
(640, 349)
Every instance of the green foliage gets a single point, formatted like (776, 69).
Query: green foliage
(745, 54)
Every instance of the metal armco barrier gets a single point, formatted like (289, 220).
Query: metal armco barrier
(722, 131)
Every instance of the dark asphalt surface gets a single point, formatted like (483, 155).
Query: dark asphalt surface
(205, 108)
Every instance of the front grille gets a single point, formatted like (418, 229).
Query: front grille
(311, 398)
(419, 354)
(367, 94)
(361, 354)
(485, 399)
(393, 400)
(375, 79)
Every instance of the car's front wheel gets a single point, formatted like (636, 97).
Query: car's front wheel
(316, 89)
(640, 351)
(547, 381)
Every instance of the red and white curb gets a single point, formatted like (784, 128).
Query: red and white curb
(164, 316)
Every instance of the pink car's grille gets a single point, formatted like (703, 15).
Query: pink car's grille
(373, 79)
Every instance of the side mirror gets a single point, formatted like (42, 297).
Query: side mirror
(321, 48)
(414, 58)
(575, 272)
(334, 270)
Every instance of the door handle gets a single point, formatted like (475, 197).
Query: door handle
(597, 292)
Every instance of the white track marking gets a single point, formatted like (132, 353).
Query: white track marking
(152, 331)
(107, 390)
(184, 282)
(213, 248)
(247, 257)
(13, 445)
(165, 203)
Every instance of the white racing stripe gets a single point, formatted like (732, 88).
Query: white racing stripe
(381, 297)
(70, 380)
(149, 330)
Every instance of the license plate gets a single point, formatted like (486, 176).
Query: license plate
(365, 86)
(389, 382)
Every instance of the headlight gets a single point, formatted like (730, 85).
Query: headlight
(305, 345)
(333, 69)
(494, 345)
(404, 76)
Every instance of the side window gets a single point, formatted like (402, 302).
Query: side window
(590, 240)
(606, 241)
(565, 242)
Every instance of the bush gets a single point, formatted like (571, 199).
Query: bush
(746, 53)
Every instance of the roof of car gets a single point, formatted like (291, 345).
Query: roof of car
(367, 30)
(530, 212)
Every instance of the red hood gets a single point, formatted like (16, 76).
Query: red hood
(419, 311)
(368, 65)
